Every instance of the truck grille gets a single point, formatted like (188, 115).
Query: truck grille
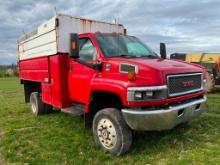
(184, 84)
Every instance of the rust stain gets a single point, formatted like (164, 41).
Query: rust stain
(83, 24)
(86, 25)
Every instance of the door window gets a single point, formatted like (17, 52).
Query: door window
(87, 52)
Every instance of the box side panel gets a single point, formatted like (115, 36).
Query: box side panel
(59, 87)
(46, 93)
(40, 42)
(68, 24)
(38, 47)
(34, 69)
(42, 29)
(52, 37)
(64, 65)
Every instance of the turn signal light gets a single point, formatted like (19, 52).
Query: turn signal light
(73, 45)
(131, 76)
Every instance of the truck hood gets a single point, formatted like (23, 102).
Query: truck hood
(166, 66)
(154, 71)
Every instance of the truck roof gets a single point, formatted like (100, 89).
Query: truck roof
(52, 36)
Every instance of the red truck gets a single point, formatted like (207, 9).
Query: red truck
(92, 68)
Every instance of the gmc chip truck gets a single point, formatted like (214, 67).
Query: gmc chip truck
(116, 82)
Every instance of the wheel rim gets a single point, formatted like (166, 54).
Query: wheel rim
(107, 133)
(33, 106)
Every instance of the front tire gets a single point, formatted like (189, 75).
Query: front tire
(110, 131)
(37, 107)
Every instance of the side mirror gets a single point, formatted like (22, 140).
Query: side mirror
(163, 52)
(74, 45)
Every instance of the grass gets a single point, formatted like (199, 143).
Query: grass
(59, 138)
(2, 72)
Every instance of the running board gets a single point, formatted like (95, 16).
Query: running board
(75, 109)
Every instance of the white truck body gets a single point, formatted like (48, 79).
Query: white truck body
(52, 37)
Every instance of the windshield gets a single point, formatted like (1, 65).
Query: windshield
(115, 45)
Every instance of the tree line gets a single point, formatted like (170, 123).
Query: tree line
(8, 70)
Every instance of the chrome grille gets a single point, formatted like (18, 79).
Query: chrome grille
(184, 84)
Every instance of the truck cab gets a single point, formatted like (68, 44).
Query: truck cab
(117, 83)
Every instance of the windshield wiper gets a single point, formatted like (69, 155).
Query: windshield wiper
(124, 55)
(133, 56)
(151, 56)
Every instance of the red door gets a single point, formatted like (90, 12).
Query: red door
(81, 72)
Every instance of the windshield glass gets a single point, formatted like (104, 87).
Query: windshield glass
(115, 45)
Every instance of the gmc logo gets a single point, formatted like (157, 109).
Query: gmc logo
(187, 83)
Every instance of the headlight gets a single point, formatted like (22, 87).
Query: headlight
(146, 93)
(139, 95)
(149, 93)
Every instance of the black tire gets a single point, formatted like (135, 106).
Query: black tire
(122, 137)
(37, 107)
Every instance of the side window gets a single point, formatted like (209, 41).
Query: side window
(87, 51)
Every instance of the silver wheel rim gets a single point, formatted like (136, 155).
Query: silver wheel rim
(33, 106)
(107, 133)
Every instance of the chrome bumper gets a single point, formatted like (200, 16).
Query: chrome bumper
(163, 119)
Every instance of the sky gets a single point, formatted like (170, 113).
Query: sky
(185, 26)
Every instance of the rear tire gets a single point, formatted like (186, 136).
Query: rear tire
(37, 107)
(110, 131)
(210, 81)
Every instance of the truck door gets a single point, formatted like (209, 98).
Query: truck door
(81, 71)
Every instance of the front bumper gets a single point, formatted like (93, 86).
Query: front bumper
(164, 119)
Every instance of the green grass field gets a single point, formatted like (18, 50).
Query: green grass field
(59, 138)
(2, 72)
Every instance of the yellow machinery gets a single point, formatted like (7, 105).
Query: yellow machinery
(202, 57)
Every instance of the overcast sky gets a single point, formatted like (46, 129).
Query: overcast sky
(186, 26)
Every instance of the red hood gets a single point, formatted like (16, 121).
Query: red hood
(166, 66)
(154, 71)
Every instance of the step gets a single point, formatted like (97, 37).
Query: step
(75, 109)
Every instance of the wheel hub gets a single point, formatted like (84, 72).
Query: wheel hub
(104, 133)
(107, 133)
(33, 106)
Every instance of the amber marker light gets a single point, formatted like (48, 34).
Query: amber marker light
(73, 45)
(131, 76)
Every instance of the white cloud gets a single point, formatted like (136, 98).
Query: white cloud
(8, 53)
(185, 25)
